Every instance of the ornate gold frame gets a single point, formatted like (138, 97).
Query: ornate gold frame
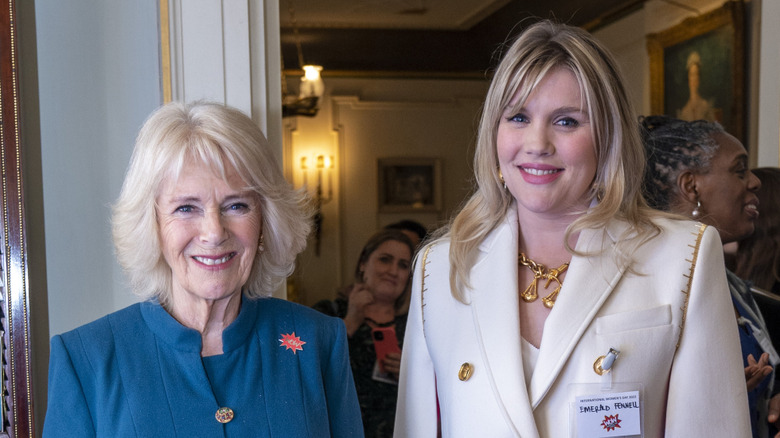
(730, 14)
(17, 405)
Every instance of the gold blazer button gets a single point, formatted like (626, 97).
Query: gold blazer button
(224, 415)
(465, 372)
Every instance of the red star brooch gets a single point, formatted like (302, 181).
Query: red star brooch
(292, 342)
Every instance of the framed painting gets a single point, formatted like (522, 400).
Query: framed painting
(697, 68)
(409, 185)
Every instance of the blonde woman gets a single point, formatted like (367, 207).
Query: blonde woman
(557, 303)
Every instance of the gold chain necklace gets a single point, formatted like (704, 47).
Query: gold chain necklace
(530, 295)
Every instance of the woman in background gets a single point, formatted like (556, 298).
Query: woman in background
(206, 227)
(376, 302)
(698, 170)
(556, 290)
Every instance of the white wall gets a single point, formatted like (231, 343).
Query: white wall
(98, 71)
(768, 90)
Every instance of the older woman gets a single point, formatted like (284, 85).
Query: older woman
(557, 303)
(206, 228)
(698, 170)
(376, 302)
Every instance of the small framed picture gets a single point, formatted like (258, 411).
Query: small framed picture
(409, 184)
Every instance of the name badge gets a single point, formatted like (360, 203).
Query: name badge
(608, 414)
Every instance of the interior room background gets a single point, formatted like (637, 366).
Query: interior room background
(92, 72)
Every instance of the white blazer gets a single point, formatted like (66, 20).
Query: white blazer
(672, 321)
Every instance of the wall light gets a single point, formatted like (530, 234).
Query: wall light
(324, 163)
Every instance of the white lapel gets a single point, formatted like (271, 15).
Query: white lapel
(588, 283)
(494, 303)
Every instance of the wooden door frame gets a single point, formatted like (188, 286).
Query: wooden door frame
(17, 403)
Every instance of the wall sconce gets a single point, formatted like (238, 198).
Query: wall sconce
(323, 164)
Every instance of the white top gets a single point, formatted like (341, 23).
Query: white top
(530, 354)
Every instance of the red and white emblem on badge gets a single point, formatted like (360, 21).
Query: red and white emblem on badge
(292, 342)
(611, 422)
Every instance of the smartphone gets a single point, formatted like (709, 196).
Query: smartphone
(385, 342)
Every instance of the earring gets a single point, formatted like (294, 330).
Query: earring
(696, 211)
(598, 191)
(260, 246)
(501, 178)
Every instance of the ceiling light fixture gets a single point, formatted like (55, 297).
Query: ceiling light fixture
(306, 102)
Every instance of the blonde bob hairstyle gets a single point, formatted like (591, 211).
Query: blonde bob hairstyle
(219, 137)
(539, 50)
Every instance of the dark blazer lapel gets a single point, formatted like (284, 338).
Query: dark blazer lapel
(495, 310)
(588, 283)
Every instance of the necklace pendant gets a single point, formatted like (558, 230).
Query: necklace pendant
(530, 295)
(549, 300)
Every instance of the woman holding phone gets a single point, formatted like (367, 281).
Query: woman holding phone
(374, 315)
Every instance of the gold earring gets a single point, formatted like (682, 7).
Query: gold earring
(501, 178)
(598, 191)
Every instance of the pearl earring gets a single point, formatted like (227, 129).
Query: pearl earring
(696, 211)
(260, 246)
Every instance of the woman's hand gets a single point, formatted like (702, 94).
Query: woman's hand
(392, 364)
(357, 300)
(756, 372)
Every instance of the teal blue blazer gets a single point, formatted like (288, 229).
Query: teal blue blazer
(138, 373)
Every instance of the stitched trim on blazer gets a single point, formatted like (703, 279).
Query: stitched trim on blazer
(422, 289)
(687, 292)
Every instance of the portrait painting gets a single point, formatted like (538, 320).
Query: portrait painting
(697, 69)
(409, 184)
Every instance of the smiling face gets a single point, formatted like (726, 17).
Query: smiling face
(209, 233)
(545, 150)
(727, 192)
(386, 271)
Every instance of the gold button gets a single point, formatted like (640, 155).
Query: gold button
(224, 415)
(465, 372)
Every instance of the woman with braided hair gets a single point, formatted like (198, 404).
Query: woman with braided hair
(698, 170)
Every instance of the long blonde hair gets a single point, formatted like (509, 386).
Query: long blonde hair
(540, 49)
